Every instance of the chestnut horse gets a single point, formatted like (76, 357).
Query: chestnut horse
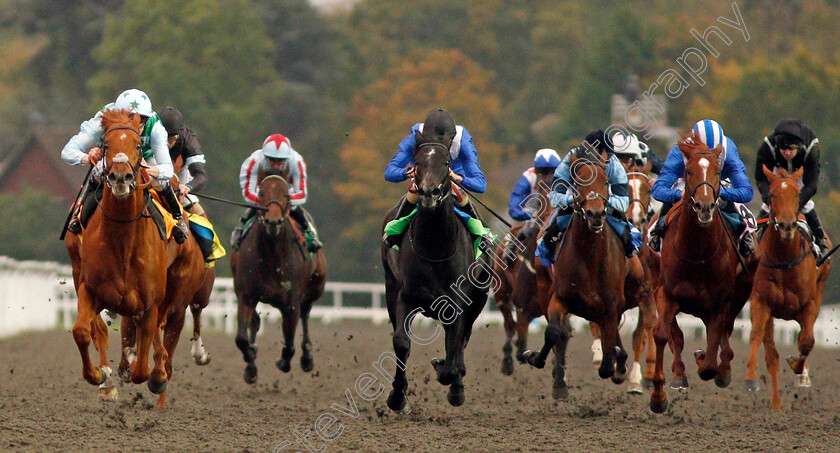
(272, 266)
(788, 285)
(435, 272)
(700, 273)
(518, 278)
(124, 266)
(588, 278)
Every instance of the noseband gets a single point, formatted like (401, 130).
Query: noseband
(276, 201)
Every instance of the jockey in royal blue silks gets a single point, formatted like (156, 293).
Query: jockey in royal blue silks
(522, 205)
(617, 203)
(735, 185)
(463, 169)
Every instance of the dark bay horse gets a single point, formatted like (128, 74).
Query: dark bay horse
(435, 272)
(700, 273)
(273, 266)
(788, 285)
(518, 290)
(123, 266)
(588, 278)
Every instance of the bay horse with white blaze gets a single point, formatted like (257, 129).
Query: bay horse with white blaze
(272, 266)
(588, 277)
(788, 285)
(125, 267)
(435, 272)
(700, 273)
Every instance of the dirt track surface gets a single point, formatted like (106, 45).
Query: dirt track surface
(46, 406)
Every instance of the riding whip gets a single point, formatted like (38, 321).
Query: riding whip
(73, 208)
(482, 204)
(247, 205)
(827, 255)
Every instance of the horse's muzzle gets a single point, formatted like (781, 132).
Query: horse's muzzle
(120, 183)
(786, 229)
(595, 219)
(705, 211)
(272, 227)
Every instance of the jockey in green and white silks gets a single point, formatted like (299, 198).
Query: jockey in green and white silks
(86, 148)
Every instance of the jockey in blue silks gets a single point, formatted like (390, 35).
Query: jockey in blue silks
(545, 162)
(735, 184)
(463, 168)
(562, 197)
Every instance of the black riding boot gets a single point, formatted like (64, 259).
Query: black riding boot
(405, 209)
(85, 208)
(656, 234)
(816, 229)
(312, 242)
(236, 236)
(170, 200)
(551, 238)
(630, 250)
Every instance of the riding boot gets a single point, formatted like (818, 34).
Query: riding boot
(658, 231)
(816, 229)
(630, 250)
(396, 239)
(551, 238)
(84, 209)
(236, 235)
(312, 242)
(170, 200)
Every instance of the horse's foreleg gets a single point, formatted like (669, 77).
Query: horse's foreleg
(610, 342)
(677, 343)
(707, 361)
(648, 317)
(244, 314)
(771, 358)
(759, 316)
(597, 346)
(147, 331)
(290, 321)
(805, 343)
(669, 310)
(306, 362)
(397, 401)
(82, 336)
(511, 326)
(99, 335)
(559, 388)
(199, 354)
(554, 332)
(128, 339)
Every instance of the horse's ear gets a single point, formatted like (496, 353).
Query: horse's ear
(418, 137)
(718, 149)
(798, 173)
(770, 175)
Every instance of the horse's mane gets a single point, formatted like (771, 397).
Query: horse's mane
(691, 143)
(112, 118)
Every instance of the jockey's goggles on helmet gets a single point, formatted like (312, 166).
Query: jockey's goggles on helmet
(791, 146)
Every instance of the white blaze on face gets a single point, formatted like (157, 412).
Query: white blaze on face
(704, 164)
(635, 186)
(784, 184)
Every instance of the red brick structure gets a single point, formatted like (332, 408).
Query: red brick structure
(36, 163)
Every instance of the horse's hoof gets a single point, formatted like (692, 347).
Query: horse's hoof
(606, 371)
(790, 360)
(560, 393)
(752, 385)
(802, 381)
(723, 381)
(156, 388)
(108, 394)
(708, 374)
(679, 383)
(635, 389)
(249, 351)
(659, 408)
(456, 396)
(202, 360)
(250, 375)
(398, 403)
(699, 355)
(532, 357)
(507, 366)
(306, 363)
(616, 379)
(284, 365)
(647, 383)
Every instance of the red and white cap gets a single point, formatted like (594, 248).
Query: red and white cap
(277, 146)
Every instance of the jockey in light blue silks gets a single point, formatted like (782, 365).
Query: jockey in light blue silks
(735, 185)
(562, 197)
(463, 169)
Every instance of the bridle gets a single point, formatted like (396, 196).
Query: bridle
(784, 265)
(136, 168)
(441, 189)
(285, 209)
(715, 190)
(592, 195)
(645, 207)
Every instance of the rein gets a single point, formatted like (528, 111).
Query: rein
(135, 169)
